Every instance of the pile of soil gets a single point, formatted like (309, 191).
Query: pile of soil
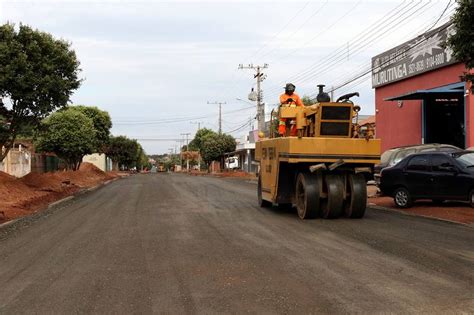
(23, 196)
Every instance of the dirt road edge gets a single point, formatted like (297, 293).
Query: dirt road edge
(49, 209)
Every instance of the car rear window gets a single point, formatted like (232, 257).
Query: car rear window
(418, 163)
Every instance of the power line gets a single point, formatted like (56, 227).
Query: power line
(442, 13)
(392, 16)
(360, 47)
(321, 32)
(281, 30)
(384, 63)
(369, 70)
(248, 123)
(177, 120)
(365, 77)
(318, 10)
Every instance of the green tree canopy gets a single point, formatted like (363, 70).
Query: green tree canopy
(123, 150)
(142, 158)
(102, 124)
(38, 74)
(307, 100)
(215, 145)
(69, 134)
(196, 143)
(462, 42)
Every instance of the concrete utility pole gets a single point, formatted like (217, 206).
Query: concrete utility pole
(260, 106)
(187, 142)
(197, 123)
(220, 113)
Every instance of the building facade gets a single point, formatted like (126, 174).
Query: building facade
(420, 96)
(100, 160)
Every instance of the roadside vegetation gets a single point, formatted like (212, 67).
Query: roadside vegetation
(211, 144)
(38, 76)
(462, 41)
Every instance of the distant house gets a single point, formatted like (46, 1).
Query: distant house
(245, 151)
(368, 123)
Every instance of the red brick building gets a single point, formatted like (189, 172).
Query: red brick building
(419, 95)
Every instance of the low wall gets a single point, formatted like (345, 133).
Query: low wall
(17, 163)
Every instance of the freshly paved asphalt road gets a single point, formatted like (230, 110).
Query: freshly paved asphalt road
(182, 244)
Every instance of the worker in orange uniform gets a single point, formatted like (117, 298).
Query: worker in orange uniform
(291, 99)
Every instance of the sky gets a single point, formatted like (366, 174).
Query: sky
(158, 67)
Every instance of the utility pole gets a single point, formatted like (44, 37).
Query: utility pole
(197, 123)
(187, 157)
(220, 113)
(199, 152)
(260, 106)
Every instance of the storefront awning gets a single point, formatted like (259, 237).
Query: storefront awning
(441, 91)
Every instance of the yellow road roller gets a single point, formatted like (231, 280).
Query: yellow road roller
(322, 170)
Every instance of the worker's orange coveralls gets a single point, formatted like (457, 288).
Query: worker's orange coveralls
(284, 102)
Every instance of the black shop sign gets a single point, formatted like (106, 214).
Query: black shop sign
(424, 53)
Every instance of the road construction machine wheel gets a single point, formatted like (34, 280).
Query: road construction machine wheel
(332, 206)
(356, 197)
(261, 202)
(308, 192)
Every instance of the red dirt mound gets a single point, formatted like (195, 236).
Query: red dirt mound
(20, 197)
(44, 182)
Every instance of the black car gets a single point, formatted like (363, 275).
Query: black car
(433, 175)
(392, 156)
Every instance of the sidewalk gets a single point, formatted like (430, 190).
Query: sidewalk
(450, 211)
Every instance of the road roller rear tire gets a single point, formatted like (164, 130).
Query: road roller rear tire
(356, 201)
(308, 192)
(333, 206)
(262, 202)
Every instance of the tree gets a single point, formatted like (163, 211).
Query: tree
(462, 42)
(38, 75)
(124, 151)
(102, 124)
(142, 158)
(306, 100)
(69, 134)
(215, 145)
(196, 143)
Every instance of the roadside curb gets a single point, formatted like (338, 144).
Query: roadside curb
(469, 225)
(58, 202)
(5, 224)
